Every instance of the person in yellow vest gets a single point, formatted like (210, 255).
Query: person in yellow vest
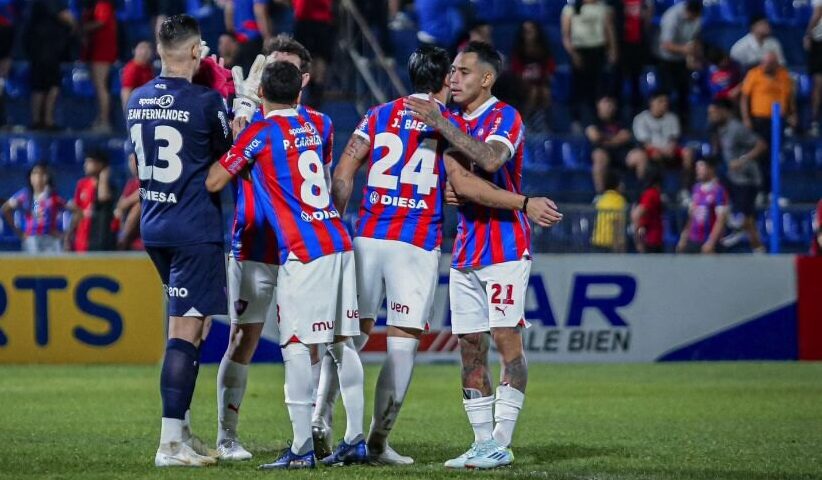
(611, 206)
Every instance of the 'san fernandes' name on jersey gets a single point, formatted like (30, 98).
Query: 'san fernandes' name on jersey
(158, 114)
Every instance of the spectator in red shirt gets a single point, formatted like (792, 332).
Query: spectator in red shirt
(532, 63)
(314, 28)
(92, 214)
(647, 215)
(100, 51)
(138, 71)
(633, 26)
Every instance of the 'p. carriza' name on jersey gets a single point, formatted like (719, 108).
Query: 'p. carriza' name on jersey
(161, 197)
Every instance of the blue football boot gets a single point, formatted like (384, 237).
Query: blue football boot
(346, 454)
(291, 461)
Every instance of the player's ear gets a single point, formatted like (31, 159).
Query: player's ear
(260, 92)
(306, 79)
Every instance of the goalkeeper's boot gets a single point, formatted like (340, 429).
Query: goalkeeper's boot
(199, 446)
(178, 454)
(490, 455)
(346, 454)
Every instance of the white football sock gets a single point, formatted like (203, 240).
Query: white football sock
(171, 430)
(297, 360)
(316, 368)
(232, 378)
(360, 341)
(480, 413)
(392, 385)
(187, 425)
(350, 373)
(327, 391)
(506, 410)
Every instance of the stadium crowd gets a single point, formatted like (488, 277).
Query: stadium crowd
(636, 128)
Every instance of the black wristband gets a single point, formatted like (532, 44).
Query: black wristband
(524, 208)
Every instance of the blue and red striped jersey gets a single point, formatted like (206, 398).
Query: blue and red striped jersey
(403, 195)
(40, 213)
(708, 199)
(252, 238)
(285, 153)
(486, 236)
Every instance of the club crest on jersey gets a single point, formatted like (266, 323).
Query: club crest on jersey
(480, 132)
(401, 202)
(240, 306)
(374, 198)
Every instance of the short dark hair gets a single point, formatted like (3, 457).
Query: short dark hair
(176, 29)
(612, 179)
(46, 169)
(286, 44)
(98, 156)
(281, 82)
(710, 160)
(427, 67)
(486, 54)
(694, 7)
(756, 19)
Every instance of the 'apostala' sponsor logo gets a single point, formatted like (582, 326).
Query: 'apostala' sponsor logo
(164, 101)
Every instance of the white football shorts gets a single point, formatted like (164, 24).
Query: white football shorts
(489, 297)
(251, 291)
(405, 274)
(317, 300)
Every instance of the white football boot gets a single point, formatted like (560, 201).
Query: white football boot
(490, 455)
(459, 462)
(199, 446)
(177, 454)
(232, 450)
(389, 456)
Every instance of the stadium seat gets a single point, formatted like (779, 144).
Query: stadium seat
(721, 12)
(788, 13)
(81, 84)
(131, 10)
(576, 155)
(17, 83)
(561, 84)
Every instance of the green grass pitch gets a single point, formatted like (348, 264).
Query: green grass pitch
(746, 421)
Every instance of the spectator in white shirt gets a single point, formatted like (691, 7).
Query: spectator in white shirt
(749, 50)
(657, 130)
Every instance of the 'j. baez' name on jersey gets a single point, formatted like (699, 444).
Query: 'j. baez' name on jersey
(177, 130)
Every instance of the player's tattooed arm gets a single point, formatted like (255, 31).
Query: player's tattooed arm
(489, 156)
(353, 157)
(476, 376)
(541, 210)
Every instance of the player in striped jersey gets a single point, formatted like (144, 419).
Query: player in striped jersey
(284, 153)
(491, 261)
(252, 269)
(400, 231)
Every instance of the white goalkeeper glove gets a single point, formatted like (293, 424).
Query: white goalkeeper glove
(204, 49)
(246, 101)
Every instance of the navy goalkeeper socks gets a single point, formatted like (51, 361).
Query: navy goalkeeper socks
(178, 377)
